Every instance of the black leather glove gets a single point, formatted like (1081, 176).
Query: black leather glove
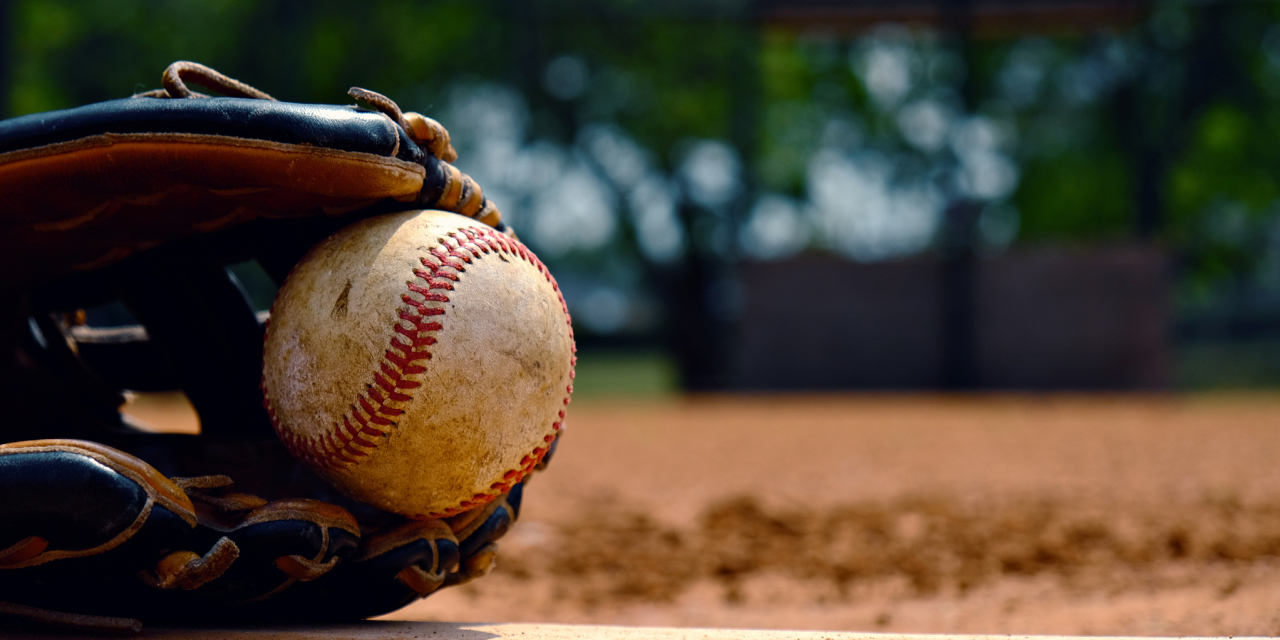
(145, 201)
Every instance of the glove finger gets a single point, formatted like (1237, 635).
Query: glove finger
(280, 544)
(63, 500)
(78, 520)
(476, 565)
(551, 453)
(482, 526)
(392, 568)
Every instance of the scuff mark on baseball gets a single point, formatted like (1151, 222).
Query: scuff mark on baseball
(421, 362)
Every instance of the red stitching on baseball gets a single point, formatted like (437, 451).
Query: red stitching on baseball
(344, 445)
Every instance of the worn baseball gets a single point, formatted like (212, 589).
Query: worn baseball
(421, 362)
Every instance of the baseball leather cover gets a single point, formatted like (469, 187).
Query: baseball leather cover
(420, 361)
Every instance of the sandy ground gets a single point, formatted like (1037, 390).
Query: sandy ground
(1103, 515)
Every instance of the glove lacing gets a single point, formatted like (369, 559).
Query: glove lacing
(445, 188)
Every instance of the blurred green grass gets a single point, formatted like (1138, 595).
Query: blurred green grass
(1244, 364)
(1237, 364)
(614, 374)
(1197, 366)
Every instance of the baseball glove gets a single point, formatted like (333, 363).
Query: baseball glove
(141, 204)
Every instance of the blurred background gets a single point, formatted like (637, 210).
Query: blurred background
(956, 199)
(808, 194)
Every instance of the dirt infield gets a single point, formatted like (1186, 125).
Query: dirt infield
(996, 514)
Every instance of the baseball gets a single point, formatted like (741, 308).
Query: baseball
(421, 362)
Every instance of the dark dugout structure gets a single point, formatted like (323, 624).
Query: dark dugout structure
(1038, 319)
